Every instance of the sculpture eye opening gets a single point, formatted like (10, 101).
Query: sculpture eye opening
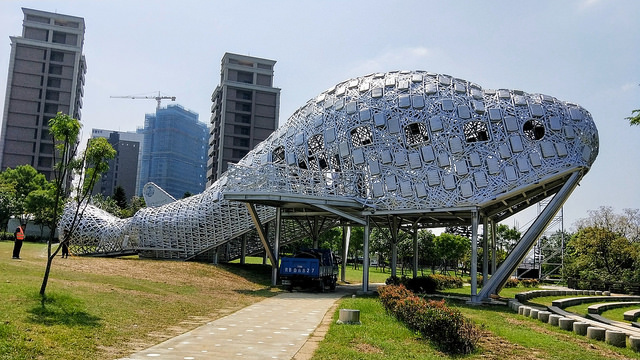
(533, 129)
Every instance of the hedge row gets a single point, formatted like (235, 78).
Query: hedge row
(427, 284)
(513, 282)
(445, 327)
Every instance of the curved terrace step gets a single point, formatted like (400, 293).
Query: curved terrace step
(600, 308)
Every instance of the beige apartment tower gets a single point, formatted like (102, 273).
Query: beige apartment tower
(46, 75)
(245, 110)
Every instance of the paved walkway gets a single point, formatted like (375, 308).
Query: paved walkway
(275, 328)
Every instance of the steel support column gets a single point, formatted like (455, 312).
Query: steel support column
(474, 253)
(521, 249)
(365, 257)
(494, 247)
(262, 234)
(485, 251)
(346, 237)
(415, 251)
(276, 248)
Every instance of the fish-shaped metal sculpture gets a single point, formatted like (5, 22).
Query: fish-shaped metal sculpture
(398, 142)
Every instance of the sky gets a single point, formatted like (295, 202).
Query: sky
(581, 51)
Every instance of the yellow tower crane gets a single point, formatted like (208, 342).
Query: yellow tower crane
(156, 98)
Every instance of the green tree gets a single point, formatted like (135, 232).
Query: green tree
(135, 204)
(634, 119)
(40, 204)
(597, 253)
(89, 167)
(7, 194)
(507, 237)
(120, 197)
(106, 203)
(427, 249)
(356, 243)
(451, 248)
(24, 179)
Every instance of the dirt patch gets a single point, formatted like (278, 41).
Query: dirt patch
(367, 348)
(495, 347)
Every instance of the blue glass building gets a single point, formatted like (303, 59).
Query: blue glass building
(174, 151)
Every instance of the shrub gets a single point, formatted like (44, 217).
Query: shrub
(427, 284)
(446, 281)
(394, 280)
(511, 283)
(423, 285)
(447, 328)
(530, 282)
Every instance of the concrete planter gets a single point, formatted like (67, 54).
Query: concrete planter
(580, 328)
(615, 338)
(595, 333)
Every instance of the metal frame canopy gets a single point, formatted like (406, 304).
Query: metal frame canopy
(430, 149)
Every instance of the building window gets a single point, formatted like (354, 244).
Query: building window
(241, 130)
(239, 154)
(71, 24)
(55, 69)
(59, 37)
(244, 95)
(241, 142)
(56, 56)
(53, 82)
(243, 107)
(245, 77)
(36, 18)
(265, 66)
(51, 108)
(264, 80)
(53, 95)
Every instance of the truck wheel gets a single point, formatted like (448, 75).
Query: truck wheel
(321, 286)
(289, 288)
(332, 286)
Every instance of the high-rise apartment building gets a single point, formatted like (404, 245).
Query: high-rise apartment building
(245, 110)
(124, 168)
(46, 75)
(174, 151)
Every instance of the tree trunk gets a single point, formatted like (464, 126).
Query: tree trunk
(45, 278)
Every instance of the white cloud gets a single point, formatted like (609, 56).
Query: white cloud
(630, 87)
(588, 4)
(407, 58)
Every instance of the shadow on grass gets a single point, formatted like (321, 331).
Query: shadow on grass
(63, 310)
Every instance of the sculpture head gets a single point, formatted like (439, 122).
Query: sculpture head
(419, 140)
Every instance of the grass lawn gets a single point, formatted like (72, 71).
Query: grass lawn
(506, 335)
(100, 308)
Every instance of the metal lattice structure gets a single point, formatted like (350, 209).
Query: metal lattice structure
(409, 142)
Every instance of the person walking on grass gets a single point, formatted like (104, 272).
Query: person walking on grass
(18, 238)
(65, 244)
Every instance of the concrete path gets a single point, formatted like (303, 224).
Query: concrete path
(275, 328)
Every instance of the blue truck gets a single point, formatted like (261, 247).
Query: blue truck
(312, 268)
